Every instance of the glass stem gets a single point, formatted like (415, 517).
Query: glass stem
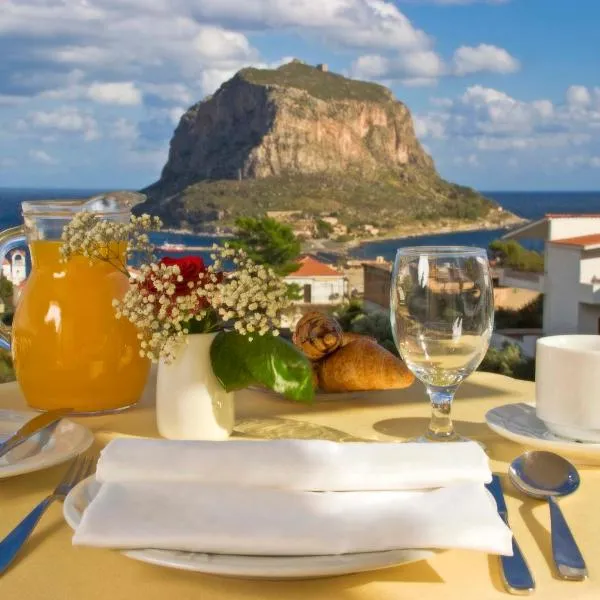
(440, 426)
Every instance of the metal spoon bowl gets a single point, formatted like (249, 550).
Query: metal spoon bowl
(546, 476)
(542, 474)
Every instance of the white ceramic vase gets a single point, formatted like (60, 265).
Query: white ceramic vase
(191, 404)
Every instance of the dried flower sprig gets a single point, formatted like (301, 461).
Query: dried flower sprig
(252, 296)
(109, 241)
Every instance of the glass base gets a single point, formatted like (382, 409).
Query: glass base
(428, 438)
(91, 413)
(454, 437)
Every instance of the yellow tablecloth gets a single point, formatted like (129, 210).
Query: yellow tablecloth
(49, 568)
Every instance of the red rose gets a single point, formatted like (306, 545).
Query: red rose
(190, 269)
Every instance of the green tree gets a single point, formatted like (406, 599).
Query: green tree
(6, 300)
(512, 254)
(268, 242)
(324, 229)
(510, 361)
(6, 294)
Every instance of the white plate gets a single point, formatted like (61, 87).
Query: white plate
(45, 449)
(366, 395)
(248, 567)
(519, 423)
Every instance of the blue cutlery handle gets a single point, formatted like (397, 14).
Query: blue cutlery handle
(567, 556)
(12, 543)
(515, 572)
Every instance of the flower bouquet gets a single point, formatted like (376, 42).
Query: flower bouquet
(236, 304)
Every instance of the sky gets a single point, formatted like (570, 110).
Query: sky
(505, 94)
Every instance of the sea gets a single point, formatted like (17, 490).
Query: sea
(529, 205)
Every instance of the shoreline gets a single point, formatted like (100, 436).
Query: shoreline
(210, 234)
(343, 248)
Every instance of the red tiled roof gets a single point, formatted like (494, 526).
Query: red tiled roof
(572, 216)
(311, 267)
(580, 241)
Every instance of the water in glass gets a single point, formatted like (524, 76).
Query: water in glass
(442, 312)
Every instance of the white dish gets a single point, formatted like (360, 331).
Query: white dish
(248, 567)
(44, 449)
(366, 395)
(519, 423)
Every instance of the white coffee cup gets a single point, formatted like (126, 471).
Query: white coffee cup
(567, 390)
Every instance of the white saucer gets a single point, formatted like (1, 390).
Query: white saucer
(45, 449)
(519, 423)
(247, 567)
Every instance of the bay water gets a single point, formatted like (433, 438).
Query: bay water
(529, 205)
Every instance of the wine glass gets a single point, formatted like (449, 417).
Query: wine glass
(442, 312)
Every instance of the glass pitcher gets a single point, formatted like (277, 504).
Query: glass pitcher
(69, 349)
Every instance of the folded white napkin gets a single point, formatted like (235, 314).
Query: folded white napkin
(292, 497)
(295, 464)
(197, 517)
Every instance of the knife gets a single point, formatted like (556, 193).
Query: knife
(32, 427)
(516, 576)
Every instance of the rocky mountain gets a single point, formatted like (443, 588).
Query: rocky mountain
(302, 138)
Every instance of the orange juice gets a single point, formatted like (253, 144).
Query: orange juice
(69, 349)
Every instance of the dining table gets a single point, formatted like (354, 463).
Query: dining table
(49, 567)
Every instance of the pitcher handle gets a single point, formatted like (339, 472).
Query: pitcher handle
(9, 240)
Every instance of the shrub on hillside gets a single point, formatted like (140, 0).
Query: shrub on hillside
(512, 254)
(509, 361)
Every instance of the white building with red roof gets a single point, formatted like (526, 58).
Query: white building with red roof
(319, 282)
(571, 280)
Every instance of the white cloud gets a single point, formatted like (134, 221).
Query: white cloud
(428, 127)
(492, 121)
(171, 92)
(175, 114)
(418, 68)
(40, 156)
(123, 129)
(485, 57)
(424, 66)
(66, 119)
(193, 42)
(373, 24)
(124, 93)
(216, 43)
(579, 95)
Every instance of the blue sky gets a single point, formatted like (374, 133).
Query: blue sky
(505, 93)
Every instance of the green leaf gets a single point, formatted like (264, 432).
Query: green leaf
(265, 360)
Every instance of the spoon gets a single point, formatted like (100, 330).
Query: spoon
(546, 475)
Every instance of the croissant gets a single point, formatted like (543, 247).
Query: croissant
(317, 335)
(360, 366)
(349, 337)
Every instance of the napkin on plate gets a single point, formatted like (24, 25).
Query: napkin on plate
(312, 465)
(292, 497)
(196, 517)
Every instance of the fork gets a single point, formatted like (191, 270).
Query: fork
(81, 467)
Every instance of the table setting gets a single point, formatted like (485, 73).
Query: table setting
(245, 464)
